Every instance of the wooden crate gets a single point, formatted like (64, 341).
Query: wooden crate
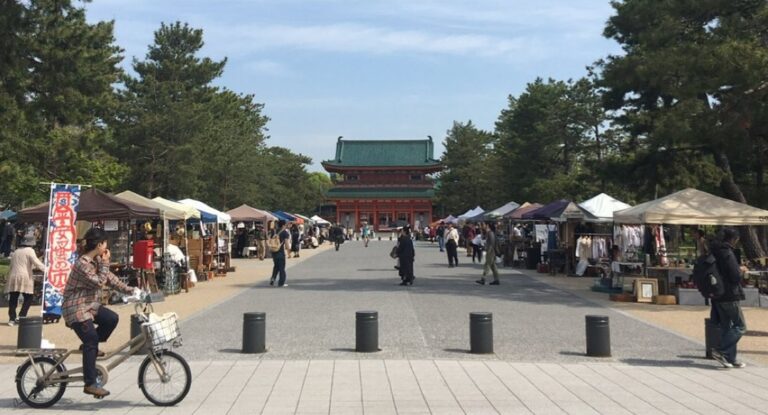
(664, 299)
(623, 298)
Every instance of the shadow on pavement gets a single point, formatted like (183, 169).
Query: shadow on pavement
(461, 351)
(667, 363)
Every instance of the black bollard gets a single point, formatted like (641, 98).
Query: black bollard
(711, 336)
(367, 331)
(480, 333)
(598, 336)
(30, 333)
(254, 327)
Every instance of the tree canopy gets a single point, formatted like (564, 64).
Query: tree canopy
(70, 114)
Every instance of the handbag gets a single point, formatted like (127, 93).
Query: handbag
(393, 252)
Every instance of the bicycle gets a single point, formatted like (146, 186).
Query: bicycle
(164, 376)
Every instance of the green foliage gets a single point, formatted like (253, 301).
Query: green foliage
(164, 126)
(471, 175)
(552, 141)
(690, 85)
(167, 131)
(56, 94)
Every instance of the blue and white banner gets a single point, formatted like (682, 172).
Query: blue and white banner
(60, 246)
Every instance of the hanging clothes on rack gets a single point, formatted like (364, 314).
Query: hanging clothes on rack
(630, 240)
(593, 246)
(660, 244)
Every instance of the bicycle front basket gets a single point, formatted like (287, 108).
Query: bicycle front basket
(162, 329)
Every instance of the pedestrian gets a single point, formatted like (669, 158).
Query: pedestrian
(7, 235)
(261, 241)
(426, 234)
(278, 258)
(20, 278)
(241, 242)
(365, 231)
(82, 309)
(477, 248)
(337, 236)
(441, 236)
(490, 254)
(295, 240)
(452, 245)
(406, 255)
(726, 310)
(469, 234)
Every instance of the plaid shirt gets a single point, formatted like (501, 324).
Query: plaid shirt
(82, 295)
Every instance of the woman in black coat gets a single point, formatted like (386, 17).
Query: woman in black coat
(406, 255)
(295, 240)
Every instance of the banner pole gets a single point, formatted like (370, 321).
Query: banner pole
(47, 247)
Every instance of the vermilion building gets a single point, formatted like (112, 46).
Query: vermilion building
(383, 182)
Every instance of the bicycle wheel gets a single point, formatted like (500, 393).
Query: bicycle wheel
(37, 395)
(165, 390)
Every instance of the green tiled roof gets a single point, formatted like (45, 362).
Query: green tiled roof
(380, 193)
(374, 153)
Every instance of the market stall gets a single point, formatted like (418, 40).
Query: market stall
(172, 270)
(556, 230)
(247, 218)
(120, 219)
(686, 207)
(523, 249)
(214, 234)
(192, 250)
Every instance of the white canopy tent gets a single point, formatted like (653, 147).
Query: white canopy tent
(692, 207)
(501, 211)
(221, 217)
(603, 206)
(168, 212)
(470, 213)
(189, 211)
(320, 221)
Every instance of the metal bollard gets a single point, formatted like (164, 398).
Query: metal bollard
(598, 336)
(254, 327)
(480, 333)
(711, 336)
(30, 333)
(367, 331)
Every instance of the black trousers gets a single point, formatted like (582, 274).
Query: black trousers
(406, 269)
(105, 322)
(453, 256)
(13, 301)
(477, 252)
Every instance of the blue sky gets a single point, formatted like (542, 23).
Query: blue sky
(390, 69)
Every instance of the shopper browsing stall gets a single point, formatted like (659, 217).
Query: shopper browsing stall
(20, 278)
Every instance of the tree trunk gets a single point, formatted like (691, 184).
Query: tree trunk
(750, 242)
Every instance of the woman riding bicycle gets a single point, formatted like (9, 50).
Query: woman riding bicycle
(82, 309)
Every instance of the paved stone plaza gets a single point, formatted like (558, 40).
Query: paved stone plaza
(424, 365)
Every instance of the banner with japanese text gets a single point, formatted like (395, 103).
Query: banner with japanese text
(60, 246)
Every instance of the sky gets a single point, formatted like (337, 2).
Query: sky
(375, 69)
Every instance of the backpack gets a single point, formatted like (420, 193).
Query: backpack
(707, 277)
(274, 243)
